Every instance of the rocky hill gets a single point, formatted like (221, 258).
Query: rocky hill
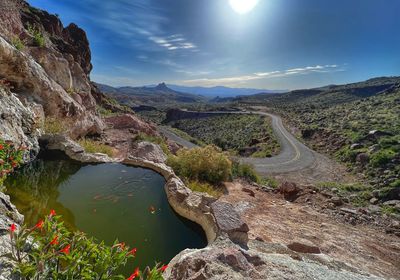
(156, 96)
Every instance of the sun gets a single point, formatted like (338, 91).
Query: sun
(243, 6)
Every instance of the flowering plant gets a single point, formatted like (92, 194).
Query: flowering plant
(49, 251)
(10, 158)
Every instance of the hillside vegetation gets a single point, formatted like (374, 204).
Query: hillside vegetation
(358, 124)
(247, 135)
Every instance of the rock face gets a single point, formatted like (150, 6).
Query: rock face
(150, 152)
(53, 74)
(132, 122)
(8, 215)
(226, 260)
(20, 123)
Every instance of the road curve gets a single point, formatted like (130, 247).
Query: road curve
(294, 155)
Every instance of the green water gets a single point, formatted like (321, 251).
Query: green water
(107, 201)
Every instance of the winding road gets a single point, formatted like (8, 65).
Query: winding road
(294, 155)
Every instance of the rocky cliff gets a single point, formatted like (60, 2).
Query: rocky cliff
(46, 66)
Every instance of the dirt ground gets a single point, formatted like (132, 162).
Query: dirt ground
(273, 219)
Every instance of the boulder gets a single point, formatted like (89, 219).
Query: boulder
(149, 151)
(229, 222)
(289, 190)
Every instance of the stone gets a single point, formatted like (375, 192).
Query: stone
(228, 221)
(355, 146)
(304, 247)
(249, 191)
(289, 190)
(392, 202)
(362, 158)
(374, 200)
(337, 201)
(149, 151)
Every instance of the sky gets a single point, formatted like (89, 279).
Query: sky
(279, 44)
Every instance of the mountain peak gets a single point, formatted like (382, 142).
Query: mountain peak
(162, 86)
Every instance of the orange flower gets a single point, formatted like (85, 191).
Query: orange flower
(65, 250)
(54, 241)
(39, 224)
(134, 274)
(132, 252)
(52, 213)
(163, 268)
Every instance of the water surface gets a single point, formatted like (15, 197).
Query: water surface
(107, 201)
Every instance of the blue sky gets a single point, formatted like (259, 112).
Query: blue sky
(280, 44)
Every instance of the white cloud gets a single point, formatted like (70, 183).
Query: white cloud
(173, 42)
(238, 80)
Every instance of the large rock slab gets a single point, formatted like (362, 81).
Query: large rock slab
(149, 151)
(229, 222)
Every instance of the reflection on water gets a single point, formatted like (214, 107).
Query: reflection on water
(107, 201)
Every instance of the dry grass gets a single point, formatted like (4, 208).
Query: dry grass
(205, 188)
(54, 125)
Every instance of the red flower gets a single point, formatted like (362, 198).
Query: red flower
(65, 250)
(14, 164)
(52, 213)
(54, 241)
(39, 224)
(132, 252)
(13, 227)
(134, 274)
(163, 268)
(1, 147)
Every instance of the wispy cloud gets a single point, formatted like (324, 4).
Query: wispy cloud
(238, 80)
(173, 42)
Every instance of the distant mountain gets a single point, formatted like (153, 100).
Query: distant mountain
(221, 91)
(133, 96)
(327, 96)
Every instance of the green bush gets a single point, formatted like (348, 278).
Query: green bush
(382, 157)
(245, 171)
(17, 43)
(50, 251)
(92, 146)
(38, 37)
(206, 165)
(10, 158)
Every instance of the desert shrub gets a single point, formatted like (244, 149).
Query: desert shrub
(204, 187)
(38, 37)
(208, 165)
(50, 251)
(103, 111)
(92, 146)
(17, 43)
(246, 171)
(382, 157)
(54, 125)
(153, 139)
(10, 158)
(270, 182)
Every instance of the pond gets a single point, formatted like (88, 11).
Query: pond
(109, 202)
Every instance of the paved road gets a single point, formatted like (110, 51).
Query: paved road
(294, 155)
